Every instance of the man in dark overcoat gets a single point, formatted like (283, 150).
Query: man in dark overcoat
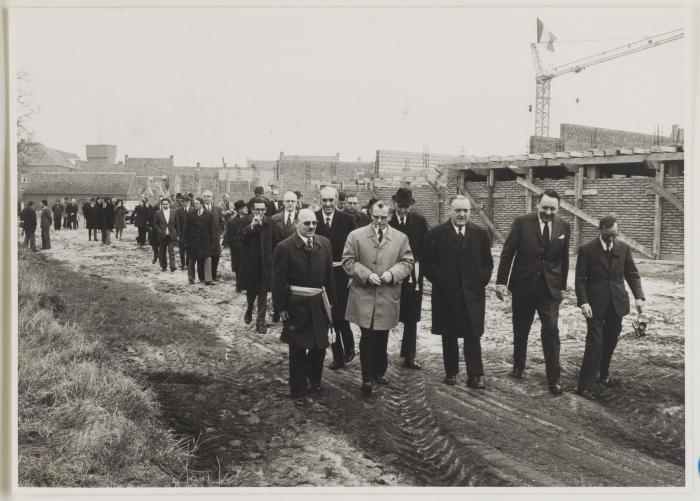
(153, 237)
(28, 218)
(258, 238)
(200, 233)
(602, 267)
(286, 219)
(302, 268)
(90, 213)
(140, 218)
(72, 214)
(233, 227)
(57, 210)
(537, 250)
(457, 261)
(336, 226)
(415, 227)
(352, 208)
(217, 213)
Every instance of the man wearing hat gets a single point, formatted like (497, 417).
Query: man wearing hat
(415, 227)
(233, 227)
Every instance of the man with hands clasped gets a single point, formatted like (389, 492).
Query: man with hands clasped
(602, 267)
(377, 258)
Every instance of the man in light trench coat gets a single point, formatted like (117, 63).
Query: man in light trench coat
(377, 258)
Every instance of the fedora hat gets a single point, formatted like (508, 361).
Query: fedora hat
(403, 196)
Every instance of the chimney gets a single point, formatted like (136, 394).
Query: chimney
(674, 133)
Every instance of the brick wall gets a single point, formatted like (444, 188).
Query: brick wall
(427, 199)
(399, 163)
(541, 144)
(672, 231)
(581, 137)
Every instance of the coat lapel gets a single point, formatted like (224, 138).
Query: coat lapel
(536, 226)
(602, 254)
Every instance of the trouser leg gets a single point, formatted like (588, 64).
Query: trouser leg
(200, 268)
(611, 333)
(190, 270)
(171, 253)
(181, 250)
(297, 372)
(450, 354)
(548, 311)
(408, 342)
(214, 266)
(472, 356)
(381, 360)
(162, 257)
(315, 359)
(592, 352)
(523, 315)
(57, 223)
(367, 354)
(262, 309)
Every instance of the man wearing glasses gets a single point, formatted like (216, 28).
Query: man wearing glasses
(377, 258)
(336, 226)
(258, 236)
(415, 227)
(302, 275)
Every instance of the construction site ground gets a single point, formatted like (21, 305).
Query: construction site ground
(225, 386)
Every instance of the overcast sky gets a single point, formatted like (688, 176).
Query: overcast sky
(202, 84)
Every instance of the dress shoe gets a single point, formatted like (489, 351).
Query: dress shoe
(154, 260)
(585, 393)
(517, 373)
(217, 279)
(275, 317)
(163, 269)
(555, 388)
(191, 282)
(349, 357)
(366, 388)
(335, 365)
(451, 380)
(172, 270)
(410, 363)
(209, 282)
(261, 329)
(609, 382)
(248, 317)
(301, 401)
(476, 382)
(315, 387)
(381, 379)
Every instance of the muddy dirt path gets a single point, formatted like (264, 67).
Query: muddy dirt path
(232, 395)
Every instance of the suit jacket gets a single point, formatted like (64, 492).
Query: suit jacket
(416, 228)
(57, 210)
(341, 226)
(293, 264)
(46, 218)
(141, 214)
(600, 279)
(200, 234)
(363, 254)
(220, 226)
(161, 225)
(72, 209)
(181, 216)
(459, 274)
(525, 250)
(28, 217)
(280, 219)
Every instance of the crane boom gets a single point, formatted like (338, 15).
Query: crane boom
(543, 78)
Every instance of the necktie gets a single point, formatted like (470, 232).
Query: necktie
(403, 221)
(381, 235)
(460, 234)
(328, 222)
(289, 222)
(545, 234)
(309, 244)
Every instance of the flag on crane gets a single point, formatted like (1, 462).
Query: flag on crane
(545, 36)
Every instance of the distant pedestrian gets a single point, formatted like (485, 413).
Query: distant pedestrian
(200, 231)
(28, 218)
(140, 219)
(233, 228)
(120, 213)
(181, 215)
(377, 258)
(90, 215)
(72, 214)
(46, 220)
(57, 211)
(153, 231)
(167, 229)
(220, 226)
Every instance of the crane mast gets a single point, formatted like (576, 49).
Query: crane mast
(544, 76)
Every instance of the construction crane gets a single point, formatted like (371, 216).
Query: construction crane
(544, 76)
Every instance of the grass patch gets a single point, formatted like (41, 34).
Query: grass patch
(81, 421)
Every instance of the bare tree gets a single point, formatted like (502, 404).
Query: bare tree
(26, 149)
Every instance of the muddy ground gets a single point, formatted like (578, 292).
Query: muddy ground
(225, 386)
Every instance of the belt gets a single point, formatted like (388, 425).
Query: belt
(298, 290)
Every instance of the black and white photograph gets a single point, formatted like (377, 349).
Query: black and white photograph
(350, 249)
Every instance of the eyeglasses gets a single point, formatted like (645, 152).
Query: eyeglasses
(383, 218)
(328, 200)
(310, 223)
